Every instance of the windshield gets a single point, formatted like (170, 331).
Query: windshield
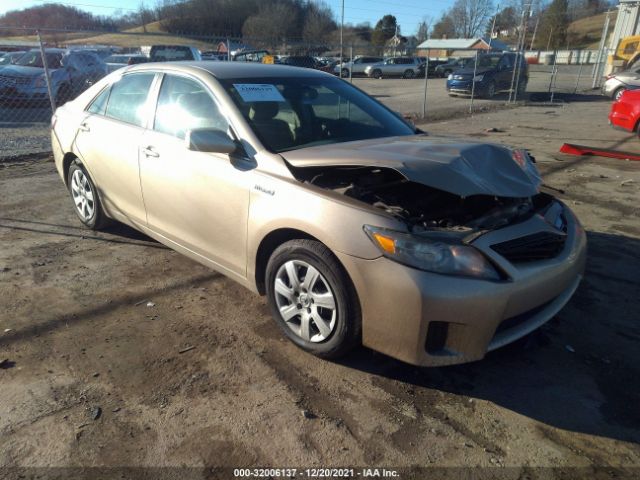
(34, 59)
(5, 59)
(292, 113)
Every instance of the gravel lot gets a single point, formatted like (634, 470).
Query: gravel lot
(95, 376)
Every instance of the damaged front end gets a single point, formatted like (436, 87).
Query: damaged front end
(423, 208)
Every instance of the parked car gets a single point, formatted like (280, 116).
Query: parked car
(303, 61)
(214, 56)
(433, 64)
(617, 83)
(494, 73)
(357, 67)
(625, 111)
(10, 58)
(173, 53)
(328, 66)
(71, 71)
(119, 60)
(358, 228)
(453, 64)
(256, 56)
(405, 67)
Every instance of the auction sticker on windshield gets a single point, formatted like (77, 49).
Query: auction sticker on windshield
(258, 92)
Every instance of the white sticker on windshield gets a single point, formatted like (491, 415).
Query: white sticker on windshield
(258, 92)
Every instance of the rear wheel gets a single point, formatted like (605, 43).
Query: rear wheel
(312, 299)
(409, 73)
(85, 198)
(446, 73)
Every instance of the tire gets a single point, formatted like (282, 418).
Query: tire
(377, 73)
(84, 195)
(490, 91)
(618, 93)
(330, 331)
(63, 95)
(344, 73)
(446, 73)
(408, 73)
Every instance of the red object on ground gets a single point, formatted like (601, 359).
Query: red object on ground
(625, 113)
(572, 149)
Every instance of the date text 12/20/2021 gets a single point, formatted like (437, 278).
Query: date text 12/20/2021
(315, 473)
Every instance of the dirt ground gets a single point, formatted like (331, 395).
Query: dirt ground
(96, 330)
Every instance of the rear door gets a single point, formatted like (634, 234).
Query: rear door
(198, 200)
(108, 141)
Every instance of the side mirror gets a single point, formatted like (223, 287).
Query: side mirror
(210, 140)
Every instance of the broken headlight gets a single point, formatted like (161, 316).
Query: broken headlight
(439, 254)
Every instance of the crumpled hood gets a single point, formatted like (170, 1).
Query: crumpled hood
(461, 168)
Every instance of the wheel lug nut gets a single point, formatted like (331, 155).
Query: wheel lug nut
(298, 306)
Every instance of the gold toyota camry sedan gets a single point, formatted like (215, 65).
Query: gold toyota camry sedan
(359, 228)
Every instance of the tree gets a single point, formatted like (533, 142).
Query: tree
(422, 32)
(470, 16)
(274, 22)
(444, 28)
(318, 22)
(386, 28)
(506, 19)
(553, 26)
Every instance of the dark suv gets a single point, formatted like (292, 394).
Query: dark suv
(494, 73)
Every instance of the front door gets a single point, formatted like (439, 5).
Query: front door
(198, 200)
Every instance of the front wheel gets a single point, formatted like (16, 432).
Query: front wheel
(376, 73)
(491, 90)
(85, 198)
(63, 95)
(312, 299)
(345, 73)
(618, 93)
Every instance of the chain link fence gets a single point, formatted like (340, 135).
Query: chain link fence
(50, 67)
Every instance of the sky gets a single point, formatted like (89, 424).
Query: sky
(408, 13)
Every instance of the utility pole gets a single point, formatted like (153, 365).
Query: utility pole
(535, 30)
(519, 51)
(596, 69)
(493, 25)
(341, 38)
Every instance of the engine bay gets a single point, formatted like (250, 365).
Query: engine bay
(420, 207)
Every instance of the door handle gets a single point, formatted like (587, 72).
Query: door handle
(150, 152)
(84, 127)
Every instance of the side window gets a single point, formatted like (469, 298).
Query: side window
(99, 103)
(129, 97)
(184, 104)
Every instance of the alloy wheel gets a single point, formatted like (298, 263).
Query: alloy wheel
(305, 301)
(83, 195)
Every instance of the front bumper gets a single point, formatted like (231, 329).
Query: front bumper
(429, 319)
(464, 87)
(610, 86)
(20, 94)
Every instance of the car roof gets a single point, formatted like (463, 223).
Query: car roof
(224, 70)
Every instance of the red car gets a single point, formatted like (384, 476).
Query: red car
(625, 112)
